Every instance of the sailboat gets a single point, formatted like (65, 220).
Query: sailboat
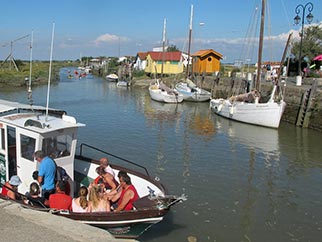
(246, 107)
(189, 90)
(158, 90)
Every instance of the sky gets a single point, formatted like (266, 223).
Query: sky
(123, 28)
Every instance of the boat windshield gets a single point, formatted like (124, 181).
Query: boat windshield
(57, 146)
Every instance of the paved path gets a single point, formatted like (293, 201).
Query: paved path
(20, 224)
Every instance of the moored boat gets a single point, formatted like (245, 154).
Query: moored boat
(112, 77)
(162, 93)
(191, 92)
(247, 107)
(25, 129)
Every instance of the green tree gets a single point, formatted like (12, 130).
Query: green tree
(311, 43)
(172, 48)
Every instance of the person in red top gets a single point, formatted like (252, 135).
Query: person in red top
(60, 200)
(11, 187)
(128, 194)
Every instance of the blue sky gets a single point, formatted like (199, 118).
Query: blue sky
(113, 28)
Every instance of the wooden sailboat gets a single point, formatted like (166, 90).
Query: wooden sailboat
(157, 89)
(246, 107)
(189, 90)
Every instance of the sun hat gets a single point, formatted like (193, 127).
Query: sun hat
(15, 181)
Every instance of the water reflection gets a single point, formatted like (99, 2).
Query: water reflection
(259, 138)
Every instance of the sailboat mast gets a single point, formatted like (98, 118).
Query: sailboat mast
(260, 46)
(163, 45)
(189, 44)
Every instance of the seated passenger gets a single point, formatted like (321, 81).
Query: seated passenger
(128, 194)
(109, 180)
(105, 164)
(10, 188)
(33, 197)
(60, 200)
(80, 204)
(97, 202)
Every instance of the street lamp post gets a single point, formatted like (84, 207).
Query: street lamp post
(297, 20)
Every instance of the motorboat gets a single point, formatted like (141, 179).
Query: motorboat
(112, 77)
(25, 129)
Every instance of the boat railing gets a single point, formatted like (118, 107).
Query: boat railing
(110, 154)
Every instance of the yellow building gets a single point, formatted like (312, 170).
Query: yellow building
(207, 61)
(172, 63)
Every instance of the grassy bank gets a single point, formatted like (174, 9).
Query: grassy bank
(40, 72)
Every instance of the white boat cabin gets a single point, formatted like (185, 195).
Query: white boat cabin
(25, 129)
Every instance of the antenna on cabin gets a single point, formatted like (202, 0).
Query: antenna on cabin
(50, 62)
(10, 56)
(30, 70)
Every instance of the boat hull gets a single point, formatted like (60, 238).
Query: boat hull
(160, 95)
(263, 114)
(127, 224)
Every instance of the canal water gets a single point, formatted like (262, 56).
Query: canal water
(244, 183)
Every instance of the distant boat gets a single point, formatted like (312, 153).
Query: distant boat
(186, 87)
(112, 77)
(122, 83)
(246, 107)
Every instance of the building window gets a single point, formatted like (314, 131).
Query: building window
(209, 59)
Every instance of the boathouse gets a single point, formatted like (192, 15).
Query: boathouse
(206, 61)
(172, 62)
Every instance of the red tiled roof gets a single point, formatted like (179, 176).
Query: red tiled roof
(168, 56)
(142, 55)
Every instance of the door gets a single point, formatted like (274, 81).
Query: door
(27, 143)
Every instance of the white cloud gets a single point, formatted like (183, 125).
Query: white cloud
(105, 38)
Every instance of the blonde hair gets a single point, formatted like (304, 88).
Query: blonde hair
(94, 196)
(83, 202)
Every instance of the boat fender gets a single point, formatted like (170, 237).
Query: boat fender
(231, 110)
(219, 107)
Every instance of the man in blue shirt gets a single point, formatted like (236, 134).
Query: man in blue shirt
(46, 173)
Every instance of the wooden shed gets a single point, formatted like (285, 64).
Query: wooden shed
(207, 61)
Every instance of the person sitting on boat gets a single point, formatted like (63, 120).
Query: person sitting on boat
(33, 197)
(107, 180)
(80, 204)
(46, 173)
(128, 194)
(105, 164)
(97, 202)
(60, 200)
(10, 188)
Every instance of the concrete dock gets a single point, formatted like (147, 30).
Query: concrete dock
(21, 224)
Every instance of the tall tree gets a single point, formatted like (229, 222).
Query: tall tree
(312, 43)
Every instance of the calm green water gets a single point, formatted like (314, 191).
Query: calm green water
(243, 183)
